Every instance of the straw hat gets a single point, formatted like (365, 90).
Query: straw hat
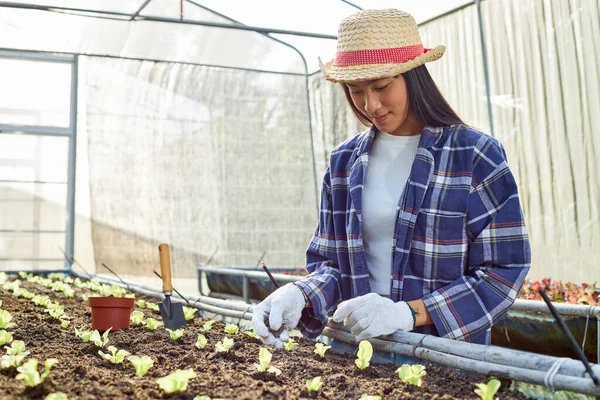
(374, 44)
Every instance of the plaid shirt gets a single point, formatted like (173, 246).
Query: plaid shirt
(460, 239)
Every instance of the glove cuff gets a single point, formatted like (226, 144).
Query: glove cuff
(303, 294)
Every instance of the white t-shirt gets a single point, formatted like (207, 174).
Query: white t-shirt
(390, 160)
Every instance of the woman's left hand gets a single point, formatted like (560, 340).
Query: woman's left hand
(372, 315)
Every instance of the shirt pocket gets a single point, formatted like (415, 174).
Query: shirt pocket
(440, 246)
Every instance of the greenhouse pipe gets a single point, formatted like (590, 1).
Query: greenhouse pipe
(139, 10)
(583, 310)
(558, 381)
(247, 274)
(72, 164)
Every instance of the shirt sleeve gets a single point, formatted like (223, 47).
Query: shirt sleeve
(499, 255)
(322, 285)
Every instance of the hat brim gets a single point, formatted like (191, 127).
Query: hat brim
(367, 72)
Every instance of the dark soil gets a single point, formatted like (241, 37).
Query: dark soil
(82, 374)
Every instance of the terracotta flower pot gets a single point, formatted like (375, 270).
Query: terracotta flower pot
(110, 312)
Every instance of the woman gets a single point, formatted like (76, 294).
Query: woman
(421, 228)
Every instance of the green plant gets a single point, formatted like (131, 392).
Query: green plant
(365, 396)
(29, 372)
(5, 337)
(231, 329)
(16, 347)
(201, 342)
(5, 319)
(177, 381)
(64, 323)
(320, 349)
(365, 352)
(487, 391)
(56, 396)
(137, 317)
(264, 359)
(152, 306)
(141, 303)
(13, 360)
(115, 356)
(141, 364)
(224, 346)
(84, 335)
(3, 278)
(40, 300)
(201, 398)
(176, 334)
(314, 384)
(208, 325)
(252, 334)
(411, 374)
(188, 313)
(153, 324)
(100, 342)
(289, 345)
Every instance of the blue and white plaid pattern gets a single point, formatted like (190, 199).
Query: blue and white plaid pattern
(460, 240)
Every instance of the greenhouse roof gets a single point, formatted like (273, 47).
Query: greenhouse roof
(198, 32)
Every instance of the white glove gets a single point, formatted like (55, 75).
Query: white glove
(372, 315)
(282, 309)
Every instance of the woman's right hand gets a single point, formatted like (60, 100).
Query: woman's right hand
(277, 314)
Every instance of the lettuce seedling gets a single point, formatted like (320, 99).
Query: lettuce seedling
(30, 374)
(411, 374)
(13, 360)
(5, 319)
(16, 347)
(188, 313)
(100, 342)
(289, 345)
(176, 334)
(231, 329)
(365, 396)
(64, 323)
(207, 325)
(264, 359)
(320, 349)
(141, 303)
(177, 381)
(5, 337)
(312, 385)
(153, 324)
(137, 317)
(152, 306)
(84, 335)
(130, 295)
(201, 342)
(115, 357)
(252, 334)
(365, 352)
(141, 364)
(56, 396)
(201, 398)
(487, 391)
(225, 346)
(40, 300)
(3, 278)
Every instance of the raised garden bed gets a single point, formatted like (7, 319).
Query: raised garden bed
(82, 373)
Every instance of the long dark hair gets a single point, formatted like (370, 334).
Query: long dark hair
(424, 99)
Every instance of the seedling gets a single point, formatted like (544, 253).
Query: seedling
(201, 398)
(188, 313)
(85, 297)
(365, 352)
(177, 381)
(141, 364)
(16, 347)
(130, 295)
(487, 391)
(137, 317)
(224, 346)
(153, 324)
(176, 334)
(141, 303)
(30, 374)
(365, 396)
(64, 323)
(207, 325)
(42, 301)
(264, 359)
(3, 278)
(312, 385)
(411, 374)
(201, 342)
(152, 306)
(289, 345)
(320, 349)
(56, 396)
(5, 337)
(252, 334)
(100, 342)
(115, 356)
(84, 335)
(13, 360)
(231, 329)
(5, 319)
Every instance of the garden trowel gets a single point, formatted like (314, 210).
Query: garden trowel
(172, 313)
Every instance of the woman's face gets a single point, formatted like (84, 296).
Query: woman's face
(385, 103)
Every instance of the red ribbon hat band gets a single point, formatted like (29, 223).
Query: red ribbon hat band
(396, 55)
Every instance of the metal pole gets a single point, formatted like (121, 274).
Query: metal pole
(70, 237)
(485, 67)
